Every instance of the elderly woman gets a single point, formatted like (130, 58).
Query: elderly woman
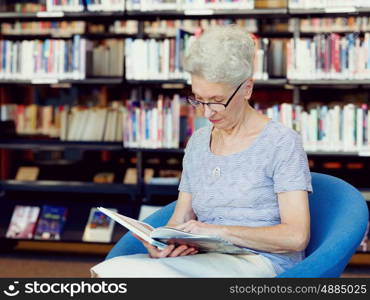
(245, 177)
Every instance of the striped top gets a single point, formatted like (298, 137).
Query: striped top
(241, 188)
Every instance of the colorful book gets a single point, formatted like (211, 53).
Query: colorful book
(99, 227)
(23, 222)
(51, 223)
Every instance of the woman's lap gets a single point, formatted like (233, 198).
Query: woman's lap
(200, 265)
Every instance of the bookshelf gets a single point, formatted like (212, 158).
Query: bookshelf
(146, 192)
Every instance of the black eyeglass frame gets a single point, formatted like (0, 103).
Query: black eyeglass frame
(190, 100)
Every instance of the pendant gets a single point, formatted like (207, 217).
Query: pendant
(217, 171)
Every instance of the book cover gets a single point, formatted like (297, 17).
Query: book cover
(99, 227)
(23, 222)
(162, 236)
(27, 173)
(51, 222)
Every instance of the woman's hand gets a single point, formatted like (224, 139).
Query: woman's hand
(169, 251)
(194, 226)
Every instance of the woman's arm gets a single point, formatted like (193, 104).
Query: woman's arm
(291, 235)
(183, 211)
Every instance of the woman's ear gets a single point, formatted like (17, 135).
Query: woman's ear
(249, 88)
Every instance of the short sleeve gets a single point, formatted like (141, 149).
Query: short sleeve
(290, 166)
(184, 185)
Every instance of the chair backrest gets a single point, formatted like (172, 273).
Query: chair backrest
(339, 216)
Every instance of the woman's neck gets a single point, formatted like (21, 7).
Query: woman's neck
(242, 127)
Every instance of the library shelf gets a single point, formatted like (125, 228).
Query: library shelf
(51, 81)
(279, 82)
(69, 187)
(57, 145)
(71, 239)
(157, 150)
(16, 36)
(330, 82)
(86, 15)
(161, 189)
(340, 11)
(181, 83)
(45, 15)
(181, 14)
(196, 13)
(332, 153)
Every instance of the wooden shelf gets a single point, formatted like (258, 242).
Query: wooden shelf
(69, 187)
(57, 145)
(360, 259)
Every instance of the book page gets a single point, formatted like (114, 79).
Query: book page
(143, 230)
(204, 243)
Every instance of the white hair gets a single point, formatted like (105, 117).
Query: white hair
(222, 54)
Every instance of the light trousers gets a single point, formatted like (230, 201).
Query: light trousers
(200, 265)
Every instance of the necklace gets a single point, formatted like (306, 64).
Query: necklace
(216, 172)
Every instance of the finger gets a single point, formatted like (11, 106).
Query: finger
(154, 252)
(184, 225)
(166, 251)
(187, 252)
(178, 250)
(181, 226)
(194, 252)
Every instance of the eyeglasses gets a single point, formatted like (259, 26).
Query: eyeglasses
(214, 106)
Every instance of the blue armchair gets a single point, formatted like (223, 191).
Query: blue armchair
(339, 217)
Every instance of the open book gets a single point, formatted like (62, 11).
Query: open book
(162, 236)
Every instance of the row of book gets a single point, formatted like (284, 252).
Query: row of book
(165, 176)
(48, 223)
(22, 6)
(156, 59)
(334, 127)
(62, 5)
(61, 59)
(121, 5)
(65, 5)
(67, 28)
(327, 4)
(157, 27)
(28, 223)
(79, 123)
(153, 124)
(166, 123)
(50, 58)
(105, 58)
(150, 5)
(105, 5)
(55, 28)
(153, 59)
(330, 56)
(168, 27)
(143, 124)
(338, 24)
